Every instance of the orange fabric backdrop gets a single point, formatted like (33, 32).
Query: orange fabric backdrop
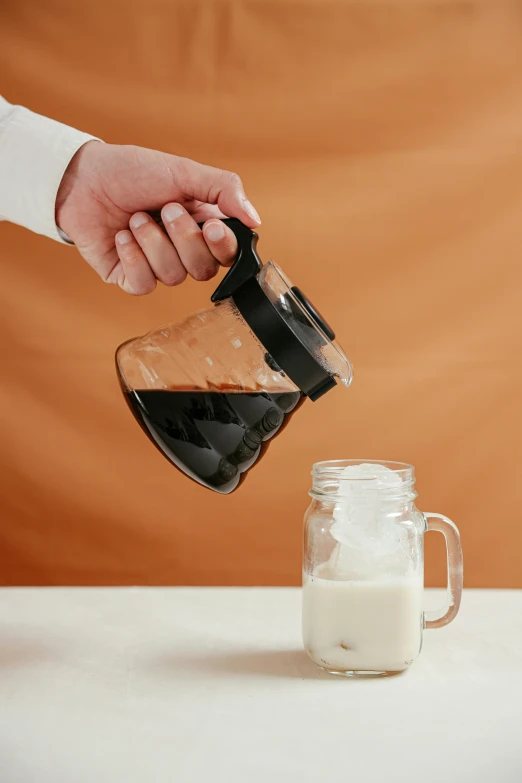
(382, 144)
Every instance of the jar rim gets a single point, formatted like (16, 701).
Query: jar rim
(329, 479)
(334, 468)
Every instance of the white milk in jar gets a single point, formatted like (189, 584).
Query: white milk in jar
(358, 625)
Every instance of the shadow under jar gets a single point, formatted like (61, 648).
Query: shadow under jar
(363, 568)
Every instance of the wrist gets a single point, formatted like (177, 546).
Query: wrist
(72, 184)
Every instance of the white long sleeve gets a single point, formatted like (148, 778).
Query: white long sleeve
(34, 153)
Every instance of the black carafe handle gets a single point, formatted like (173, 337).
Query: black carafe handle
(247, 264)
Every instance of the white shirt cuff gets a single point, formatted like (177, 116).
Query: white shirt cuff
(34, 153)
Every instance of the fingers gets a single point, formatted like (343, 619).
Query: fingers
(136, 276)
(187, 238)
(199, 251)
(215, 186)
(148, 254)
(158, 250)
(221, 241)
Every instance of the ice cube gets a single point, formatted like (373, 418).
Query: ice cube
(369, 541)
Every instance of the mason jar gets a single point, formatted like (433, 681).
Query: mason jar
(363, 568)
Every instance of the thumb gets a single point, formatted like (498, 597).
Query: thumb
(214, 186)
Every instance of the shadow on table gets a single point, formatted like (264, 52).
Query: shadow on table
(19, 651)
(258, 663)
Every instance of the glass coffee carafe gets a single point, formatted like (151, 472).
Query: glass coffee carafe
(212, 390)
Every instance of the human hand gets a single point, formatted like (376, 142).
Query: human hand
(102, 206)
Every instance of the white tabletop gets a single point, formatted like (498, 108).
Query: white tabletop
(194, 685)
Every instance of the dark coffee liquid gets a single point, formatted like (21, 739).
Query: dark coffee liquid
(213, 437)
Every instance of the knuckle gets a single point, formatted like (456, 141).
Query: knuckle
(235, 179)
(133, 257)
(141, 289)
(188, 234)
(174, 278)
(204, 273)
(181, 171)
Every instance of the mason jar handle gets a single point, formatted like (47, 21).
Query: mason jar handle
(455, 569)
